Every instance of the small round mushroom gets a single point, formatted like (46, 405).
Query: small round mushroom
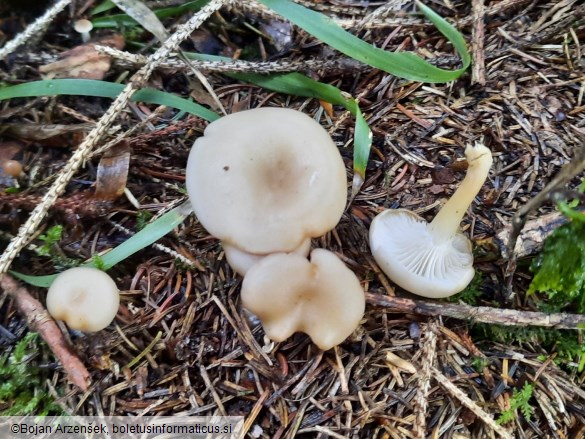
(322, 298)
(431, 260)
(83, 27)
(85, 298)
(266, 180)
(241, 261)
(12, 168)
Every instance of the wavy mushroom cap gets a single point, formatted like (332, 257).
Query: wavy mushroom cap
(322, 298)
(241, 261)
(85, 298)
(267, 179)
(407, 252)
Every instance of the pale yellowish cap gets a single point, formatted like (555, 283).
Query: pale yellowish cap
(266, 180)
(322, 298)
(85, 298)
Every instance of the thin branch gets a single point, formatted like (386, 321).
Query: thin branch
(482, 314)
(39, 320)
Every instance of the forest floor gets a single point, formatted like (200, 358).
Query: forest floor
(182, 344)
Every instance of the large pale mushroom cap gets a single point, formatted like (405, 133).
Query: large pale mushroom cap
(406, 251)
(322, 298)
(265, 180)
(85, 298)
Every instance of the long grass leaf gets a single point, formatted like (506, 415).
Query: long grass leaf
(405, 65)
(119, 20)
(90, 87)
(150, 234)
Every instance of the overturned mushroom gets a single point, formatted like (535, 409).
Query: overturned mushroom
(85, 298)
(322, 298)
(431, 259)
(266, 180)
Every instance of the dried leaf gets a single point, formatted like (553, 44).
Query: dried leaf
(143, 15)
(84, 61)
(112, 173)
(280, 33)
(442, 175)
(327, 107)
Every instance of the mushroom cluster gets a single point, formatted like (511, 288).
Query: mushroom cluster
(266, 181)
(431, 259)
(85, 298)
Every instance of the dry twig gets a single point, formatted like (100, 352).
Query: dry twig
(429, 344)
(483, 314)
(477, 42)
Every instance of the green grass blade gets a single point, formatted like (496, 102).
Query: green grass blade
(150, 234)
(449, 31)
(103, 7)
(90, 87)
(404, 65)
(119, 20)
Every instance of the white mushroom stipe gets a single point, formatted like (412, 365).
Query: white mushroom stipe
(83, 27)
(241, 261)
(322, 298)
(85, 298)
(431, 260)
(266, 180)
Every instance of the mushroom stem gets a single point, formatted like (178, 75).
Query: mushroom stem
(446, 224)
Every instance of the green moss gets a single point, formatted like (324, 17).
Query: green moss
(471, 294)
(565, 343)
(560, 269)
(21, 383)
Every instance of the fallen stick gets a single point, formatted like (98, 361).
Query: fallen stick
(482, 314)
(477, 43)
(39, 320)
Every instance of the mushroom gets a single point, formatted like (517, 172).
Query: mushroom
(83, 27)
(85, 298)
(322, 298)
(431, 260)
(266, 180)
(241, 261)
(13, 168)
